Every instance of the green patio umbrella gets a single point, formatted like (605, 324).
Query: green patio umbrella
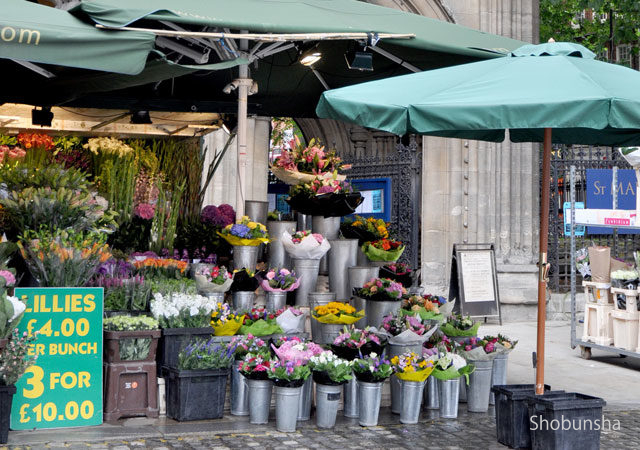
(554, 92)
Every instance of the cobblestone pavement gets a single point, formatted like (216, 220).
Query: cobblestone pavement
(473, 431)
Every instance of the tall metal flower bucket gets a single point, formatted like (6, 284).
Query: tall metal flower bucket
(431, 397)
(307, 270)
(304, 222)
(358, 276)
(245, 256)
(329, 228)
(317, 299)
(256, 210)
(277, 256)
(259, 400)
(395, 382)
(448, 391)
(369, 397)
(217, 297)
(276, 300)
(376, 310)
(342, 255)
(479, 387)
(243, 300)
(328, 332)
(361, 258)
(412, 392)
(499, 374)
(327, 401)
(304, 401)
(462, 394)
(239, 392)
(351, 405)
(287, 400)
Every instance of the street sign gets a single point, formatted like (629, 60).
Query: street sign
(64, 387)
(600, 197)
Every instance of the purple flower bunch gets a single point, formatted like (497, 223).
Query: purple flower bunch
(116, 268)
(144, 211)
(356, 338)
(220, 216)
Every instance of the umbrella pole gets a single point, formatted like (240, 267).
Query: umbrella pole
(542, 262)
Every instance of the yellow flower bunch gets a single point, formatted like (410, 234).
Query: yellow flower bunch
(108, 145)
(335, 308)
(412, 367)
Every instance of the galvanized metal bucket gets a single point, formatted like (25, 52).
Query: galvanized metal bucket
(307, 270)
(342, 255)
(431, 397)
(287, 400)
(412, 392)
(239, 392)
(304, 401)
(245, 256)
(214, 296)
(276, 300)
(259, 400)
(328, 332)
(395, 382)
(276, 255)
(479, 387)
(448, 391)
(351, 405)
(317, 299)
(304, 221)
(329, 228)
(359, 275)
(256, 210)
(499, 374)
(243, 300)
(369, 397)
(361, 258)
(327, 401)
(375, 311)
(462, 394)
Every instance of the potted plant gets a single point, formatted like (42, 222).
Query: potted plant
(371, 371)
(459, 327)
(239, 386)
(426, 306)
(288, 376)
(196, 388)
(448, 370)
(277, 283)
(382, 297)
(331, 318)
(130, 338)
(329, 373)
(245, 236)
(14, 360)
(255, 368)
(412, 370)
(213, 281)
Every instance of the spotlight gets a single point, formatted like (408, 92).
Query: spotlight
(359, 60)
(310, 58)
(140, 117)
(42, 117)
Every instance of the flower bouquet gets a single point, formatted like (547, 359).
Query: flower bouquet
(297, 351)
(260, 322)
(213, 279)
(244, 280)
(279, 280)
(291, 320)
(399, 272)
(383, 250)
(305, 244)
(406, 330)
(372, 368)
(11, 312)
(204, 355)
(411, 367)
(154, 266)
(302, 164)
(248, 344)
(450, 366)
(503, 344)
(287, 373)
(256, 366)
(326, 197)
(440, 341)
(329, 369)
(381, 289)
(459, 326)
(245, 232)
(337, 313)
(475, 349)
(424, 306)
(364, 230)
(179, 310)
(353, 342)
(224, 322)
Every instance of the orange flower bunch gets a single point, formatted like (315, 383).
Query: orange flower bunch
(162, 263)
(36, 140)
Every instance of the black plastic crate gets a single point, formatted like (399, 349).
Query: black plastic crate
(175, 339)
(512, 413)
(565, 421)
(195, 394)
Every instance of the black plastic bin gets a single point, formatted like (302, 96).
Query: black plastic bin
(566, 421)
(175, 339)
(512, 413)
(195, 394)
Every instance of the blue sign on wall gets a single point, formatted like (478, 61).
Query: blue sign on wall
(599, 195)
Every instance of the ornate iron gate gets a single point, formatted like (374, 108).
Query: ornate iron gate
(403, 164)
(563, 157)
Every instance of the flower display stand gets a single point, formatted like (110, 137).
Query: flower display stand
(626, 321)
(598, 324)
(131, 389)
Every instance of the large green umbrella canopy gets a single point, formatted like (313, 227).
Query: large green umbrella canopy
(556, 85)
(554, 92)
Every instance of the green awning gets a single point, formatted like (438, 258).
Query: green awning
(40, 34)
(303, 16)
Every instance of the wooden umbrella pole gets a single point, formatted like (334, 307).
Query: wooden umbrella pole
(542, 263)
